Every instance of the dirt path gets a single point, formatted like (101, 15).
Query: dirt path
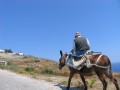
(12, 81)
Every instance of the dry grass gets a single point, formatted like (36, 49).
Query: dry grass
(31, 65)
(45, 69)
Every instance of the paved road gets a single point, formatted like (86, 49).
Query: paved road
(12, 81)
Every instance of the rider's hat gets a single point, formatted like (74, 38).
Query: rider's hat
(77, 34)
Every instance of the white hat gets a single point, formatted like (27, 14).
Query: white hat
(77, 34)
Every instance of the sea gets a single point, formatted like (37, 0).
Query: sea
(116, 67)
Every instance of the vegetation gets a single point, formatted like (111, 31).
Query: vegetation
(30, 70)
(8, 51)
(63, 83)
(47, 71)
(10, 66)
(10, 62)
(44, 69)
(32, 65)
(91, 82)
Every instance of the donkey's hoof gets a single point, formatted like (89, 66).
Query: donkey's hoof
(85, 89)
(67, 88)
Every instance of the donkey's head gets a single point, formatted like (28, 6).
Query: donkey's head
(62, 60)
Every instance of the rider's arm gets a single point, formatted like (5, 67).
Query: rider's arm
(74, 47)
(88, 42)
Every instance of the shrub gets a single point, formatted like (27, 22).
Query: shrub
(47, 71)
(91, 82)
(8, 51)
(30, 70)
(10, 62)
(2, 66)
(11, 66)
(63, 83)
(21, 71)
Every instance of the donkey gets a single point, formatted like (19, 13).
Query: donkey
(101, 65)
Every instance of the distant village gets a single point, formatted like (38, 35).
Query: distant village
(10, 51)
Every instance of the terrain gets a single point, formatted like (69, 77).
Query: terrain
(47, 70)
(12, 81)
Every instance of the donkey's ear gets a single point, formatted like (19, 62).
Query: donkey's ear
(61, 53)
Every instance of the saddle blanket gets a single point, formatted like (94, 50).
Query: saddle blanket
(75, 64)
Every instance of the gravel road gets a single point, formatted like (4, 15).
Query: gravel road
(12, 81)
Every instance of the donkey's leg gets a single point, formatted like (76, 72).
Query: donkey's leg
(69, 80)
(100, 75)
(116, 83)
(83, 80)
(108, 73)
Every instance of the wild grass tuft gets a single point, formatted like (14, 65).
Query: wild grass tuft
(30, 70)
(63, 83)
(47, 71)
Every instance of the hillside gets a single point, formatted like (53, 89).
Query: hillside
(44, 69)
(30, 64)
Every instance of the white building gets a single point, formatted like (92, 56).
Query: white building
(2, 51)
(18, 53)
(21, 53)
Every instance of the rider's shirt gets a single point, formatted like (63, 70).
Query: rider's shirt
(81, 44)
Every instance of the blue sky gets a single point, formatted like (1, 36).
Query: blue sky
(43, 27)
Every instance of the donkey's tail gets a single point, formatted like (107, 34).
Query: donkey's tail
(108, 71)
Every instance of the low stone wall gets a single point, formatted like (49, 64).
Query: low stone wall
(3, 62)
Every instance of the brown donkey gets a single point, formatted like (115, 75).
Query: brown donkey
(100, 67)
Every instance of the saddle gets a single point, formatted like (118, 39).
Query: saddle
(77, 62)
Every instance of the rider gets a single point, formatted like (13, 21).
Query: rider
(81, 45)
